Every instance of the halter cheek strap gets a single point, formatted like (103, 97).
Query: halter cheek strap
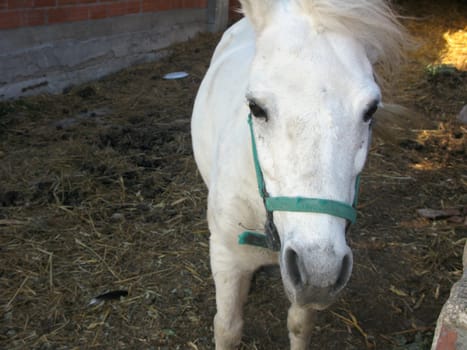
(270, 239)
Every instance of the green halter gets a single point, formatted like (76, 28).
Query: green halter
(296, 204)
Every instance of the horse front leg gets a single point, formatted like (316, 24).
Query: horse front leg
(300, 323)
(232, 286)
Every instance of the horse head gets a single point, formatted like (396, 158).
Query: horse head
(312, 95)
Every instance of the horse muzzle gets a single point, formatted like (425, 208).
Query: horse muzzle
(314, 276)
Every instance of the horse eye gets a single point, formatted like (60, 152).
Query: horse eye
(370, 112)
(257, 111)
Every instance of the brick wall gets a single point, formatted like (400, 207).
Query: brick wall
(25, 13)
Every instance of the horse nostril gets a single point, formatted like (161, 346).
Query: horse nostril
(293, 270)
(346, 269)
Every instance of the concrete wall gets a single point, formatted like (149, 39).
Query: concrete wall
(218, 15)
(49, 45)
(50, 58)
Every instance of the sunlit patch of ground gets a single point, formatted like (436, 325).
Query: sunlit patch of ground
(455, 51)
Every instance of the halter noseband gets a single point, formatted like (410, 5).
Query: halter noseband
(271, 237)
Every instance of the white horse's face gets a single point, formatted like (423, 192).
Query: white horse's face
(312, 94)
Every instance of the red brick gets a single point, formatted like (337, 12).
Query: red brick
(150, 6)
(166, 5)
(38, 12)
(44, 3)
(187, 4)
(123, 8)
(193, 4)
(22, 18)
(134, 6)
(202, 3)
(10, 19)
(158, 5)
(20, 4)
(67, 2)
(36, 17)
(68, 14)
(97, 12)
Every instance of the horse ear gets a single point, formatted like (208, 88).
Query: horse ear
(258, 11)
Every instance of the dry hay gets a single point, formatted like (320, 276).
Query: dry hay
(99, 192)
(445, 33)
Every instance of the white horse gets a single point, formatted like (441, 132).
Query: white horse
(303, 70)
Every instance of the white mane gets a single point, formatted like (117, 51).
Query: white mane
(372, 22)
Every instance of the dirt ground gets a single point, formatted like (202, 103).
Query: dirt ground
(99, 192)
